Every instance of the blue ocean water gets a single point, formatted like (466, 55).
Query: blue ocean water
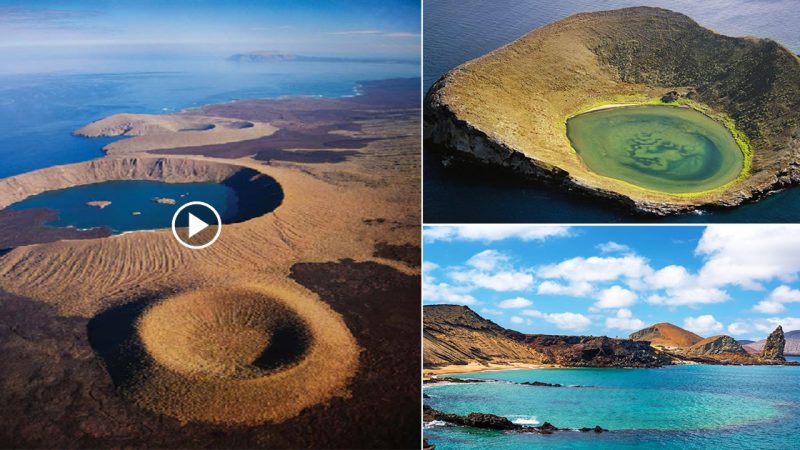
(692, 406)
(39, 111)
(127, 197)
(457, 31)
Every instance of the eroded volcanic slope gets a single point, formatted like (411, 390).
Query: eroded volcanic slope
(683, 345)
(456, 335)
(309, 326)
(666, 335)
(508, 108)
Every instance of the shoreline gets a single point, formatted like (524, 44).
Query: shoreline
(459, 369)
(609, 106)
(357, 89)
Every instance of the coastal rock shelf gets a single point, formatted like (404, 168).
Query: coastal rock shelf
(512, 108)
(147, 132)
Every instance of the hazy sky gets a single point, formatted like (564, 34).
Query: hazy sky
(737, 280)
(379, 28)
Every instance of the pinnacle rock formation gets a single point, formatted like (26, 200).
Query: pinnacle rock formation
(773, 348)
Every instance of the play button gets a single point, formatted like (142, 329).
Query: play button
(196, 225)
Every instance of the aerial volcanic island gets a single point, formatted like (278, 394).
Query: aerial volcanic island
(639, 106)
(297, 328)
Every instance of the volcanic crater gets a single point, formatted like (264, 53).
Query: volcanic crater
(225, 355)
(510, 107)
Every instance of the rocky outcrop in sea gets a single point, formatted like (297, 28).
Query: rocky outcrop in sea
(773, 348)
(495, 422)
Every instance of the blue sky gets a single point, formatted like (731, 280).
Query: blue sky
(740, 280)
(378, 28)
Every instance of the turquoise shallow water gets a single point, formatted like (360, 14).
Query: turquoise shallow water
(127, 197)
(672, 407)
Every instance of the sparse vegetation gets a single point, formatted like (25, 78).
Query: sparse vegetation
(518, 98)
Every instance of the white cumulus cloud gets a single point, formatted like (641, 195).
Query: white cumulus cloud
(493, 232)
(705, 325)
(615, 297)
(764, 326)
(445, 293)
(500, 281)
(774, 303)
(488, 260)
(748, 255)
(689, 296)
(597, 268)
(512, 303)
(624, 320)
(563, 321)
(613, 247)
(669, 277)
(576, 289)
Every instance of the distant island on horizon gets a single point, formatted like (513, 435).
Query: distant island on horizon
(276, 56)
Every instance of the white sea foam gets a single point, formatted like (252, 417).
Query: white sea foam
(434, 423)
(525, 420)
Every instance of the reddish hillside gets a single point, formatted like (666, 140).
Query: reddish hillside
(666, 335)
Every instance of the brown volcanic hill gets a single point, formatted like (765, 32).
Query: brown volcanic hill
(716, 345)
(666, 335)
(792, 347)
(456, 335)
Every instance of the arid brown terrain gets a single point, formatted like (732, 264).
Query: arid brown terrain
(297, 328)
(456, 339)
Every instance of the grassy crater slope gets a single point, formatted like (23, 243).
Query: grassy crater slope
(509, 107)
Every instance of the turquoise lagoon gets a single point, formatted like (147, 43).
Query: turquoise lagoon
(692, 406)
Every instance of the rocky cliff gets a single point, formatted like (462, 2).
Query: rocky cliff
(171, 170)
(457, 335)
(792, 346)
(773, 347)
(666, 335)
(716, 345)
(596, 351)
(507, 108)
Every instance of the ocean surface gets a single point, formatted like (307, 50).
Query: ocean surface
(457, 31)
(680, 407)
(39, 111)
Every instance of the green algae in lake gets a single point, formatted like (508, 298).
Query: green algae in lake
(661, 148)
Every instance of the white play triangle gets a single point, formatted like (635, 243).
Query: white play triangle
(195, 225)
